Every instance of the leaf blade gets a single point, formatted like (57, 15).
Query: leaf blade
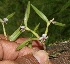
(10, 15)
(27, 14)
(15, 35)
(37, 26)
(65, 6)
(22, 44)
(40, 13)
(59, 24)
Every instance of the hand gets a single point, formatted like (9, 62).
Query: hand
(8, 53)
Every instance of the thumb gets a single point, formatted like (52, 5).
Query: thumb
(39, 57)
(42, 57)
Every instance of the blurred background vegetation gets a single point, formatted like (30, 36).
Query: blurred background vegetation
(58, 9)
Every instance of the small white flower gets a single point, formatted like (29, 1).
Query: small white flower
(52, 20)
(22, 28)
(5, 20)
(44, 37)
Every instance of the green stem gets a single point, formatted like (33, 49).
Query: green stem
(4, 30)
(34, 38)
(44, 46)
(32, 32)
(46, 31)
(35, 34)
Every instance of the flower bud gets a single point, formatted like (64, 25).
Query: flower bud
(22, 28)
(5, 20)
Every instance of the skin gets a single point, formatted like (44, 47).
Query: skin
(7, 62)
(8, 52)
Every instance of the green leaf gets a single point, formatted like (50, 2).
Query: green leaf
(15, 35)
(11, 15)
(37, 26)
(40, 13)
(65, 6)
(59, 24)
(23, 44)
(27, 14)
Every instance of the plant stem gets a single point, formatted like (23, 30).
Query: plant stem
(44, 46)
(32, 32)
(4, 30)
(35, 33)
(34, 38)
(47, 28)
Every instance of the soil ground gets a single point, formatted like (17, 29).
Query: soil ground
(59, 53)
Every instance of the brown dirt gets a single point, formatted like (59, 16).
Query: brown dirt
(59, 53)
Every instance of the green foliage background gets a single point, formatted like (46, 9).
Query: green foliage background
(58, 9)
